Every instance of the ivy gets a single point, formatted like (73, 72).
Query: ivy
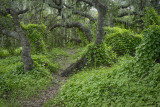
(122, 40)
(36, 33)
(148, 51)
(99, 55)
(151, 17)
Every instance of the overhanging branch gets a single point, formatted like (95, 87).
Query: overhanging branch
(126, 14)
(84, 15)
(12, 34)
(77, 25)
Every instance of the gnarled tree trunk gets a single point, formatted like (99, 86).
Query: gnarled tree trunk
(19, 34)
(26, 57)
(99, 39)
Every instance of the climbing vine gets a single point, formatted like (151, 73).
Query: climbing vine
(122, 40)
(35, 33)
(148, 51)
(99, 55)
(151, 17)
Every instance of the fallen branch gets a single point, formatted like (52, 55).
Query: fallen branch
(78, 66)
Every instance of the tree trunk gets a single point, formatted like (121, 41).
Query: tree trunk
(26, 57)
(99, 39)
(101, 24)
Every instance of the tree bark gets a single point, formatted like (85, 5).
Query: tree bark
(20, 35)
(26, 57)
(101, 23)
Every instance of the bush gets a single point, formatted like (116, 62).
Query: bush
(148, 51)
(4, 53)
(14, 83)
(122, 40)
(99, 55)
(151, 17)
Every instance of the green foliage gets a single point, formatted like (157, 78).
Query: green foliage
(43, 61)
(99, 55)
(36, 33)
(6, 22)
(56, 53)
(122, 40)
(151, 17)
(110, 87)
(132, 82)
(148, 51)
(14, 83)
(82, 37)
(6, 52)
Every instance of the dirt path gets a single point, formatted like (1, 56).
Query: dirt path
(53, 90)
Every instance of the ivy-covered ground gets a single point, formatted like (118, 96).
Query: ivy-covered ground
(37, 86)
(132, 81)
(127, 76)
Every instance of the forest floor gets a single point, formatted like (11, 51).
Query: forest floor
(54, 88)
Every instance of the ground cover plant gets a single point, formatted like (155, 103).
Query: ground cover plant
(133, 81)
(80, 53)
(14, 83)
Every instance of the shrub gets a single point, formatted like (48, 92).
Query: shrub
(99, 55)
(122, 40)
(14, 83)
(4, 53)
(151, 17)
(148, 51)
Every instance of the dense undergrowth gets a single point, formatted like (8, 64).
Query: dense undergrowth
(15, 84)
(122, 41)
(132, 82)
(14, 81)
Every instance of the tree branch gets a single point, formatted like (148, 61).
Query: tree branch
(86, 1)
(55, 6)
(126, 14)
(12, 34)
(84, 15)
(77, 25)
(22, 11)
(124, 6)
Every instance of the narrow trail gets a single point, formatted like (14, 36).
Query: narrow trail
(55, 87)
